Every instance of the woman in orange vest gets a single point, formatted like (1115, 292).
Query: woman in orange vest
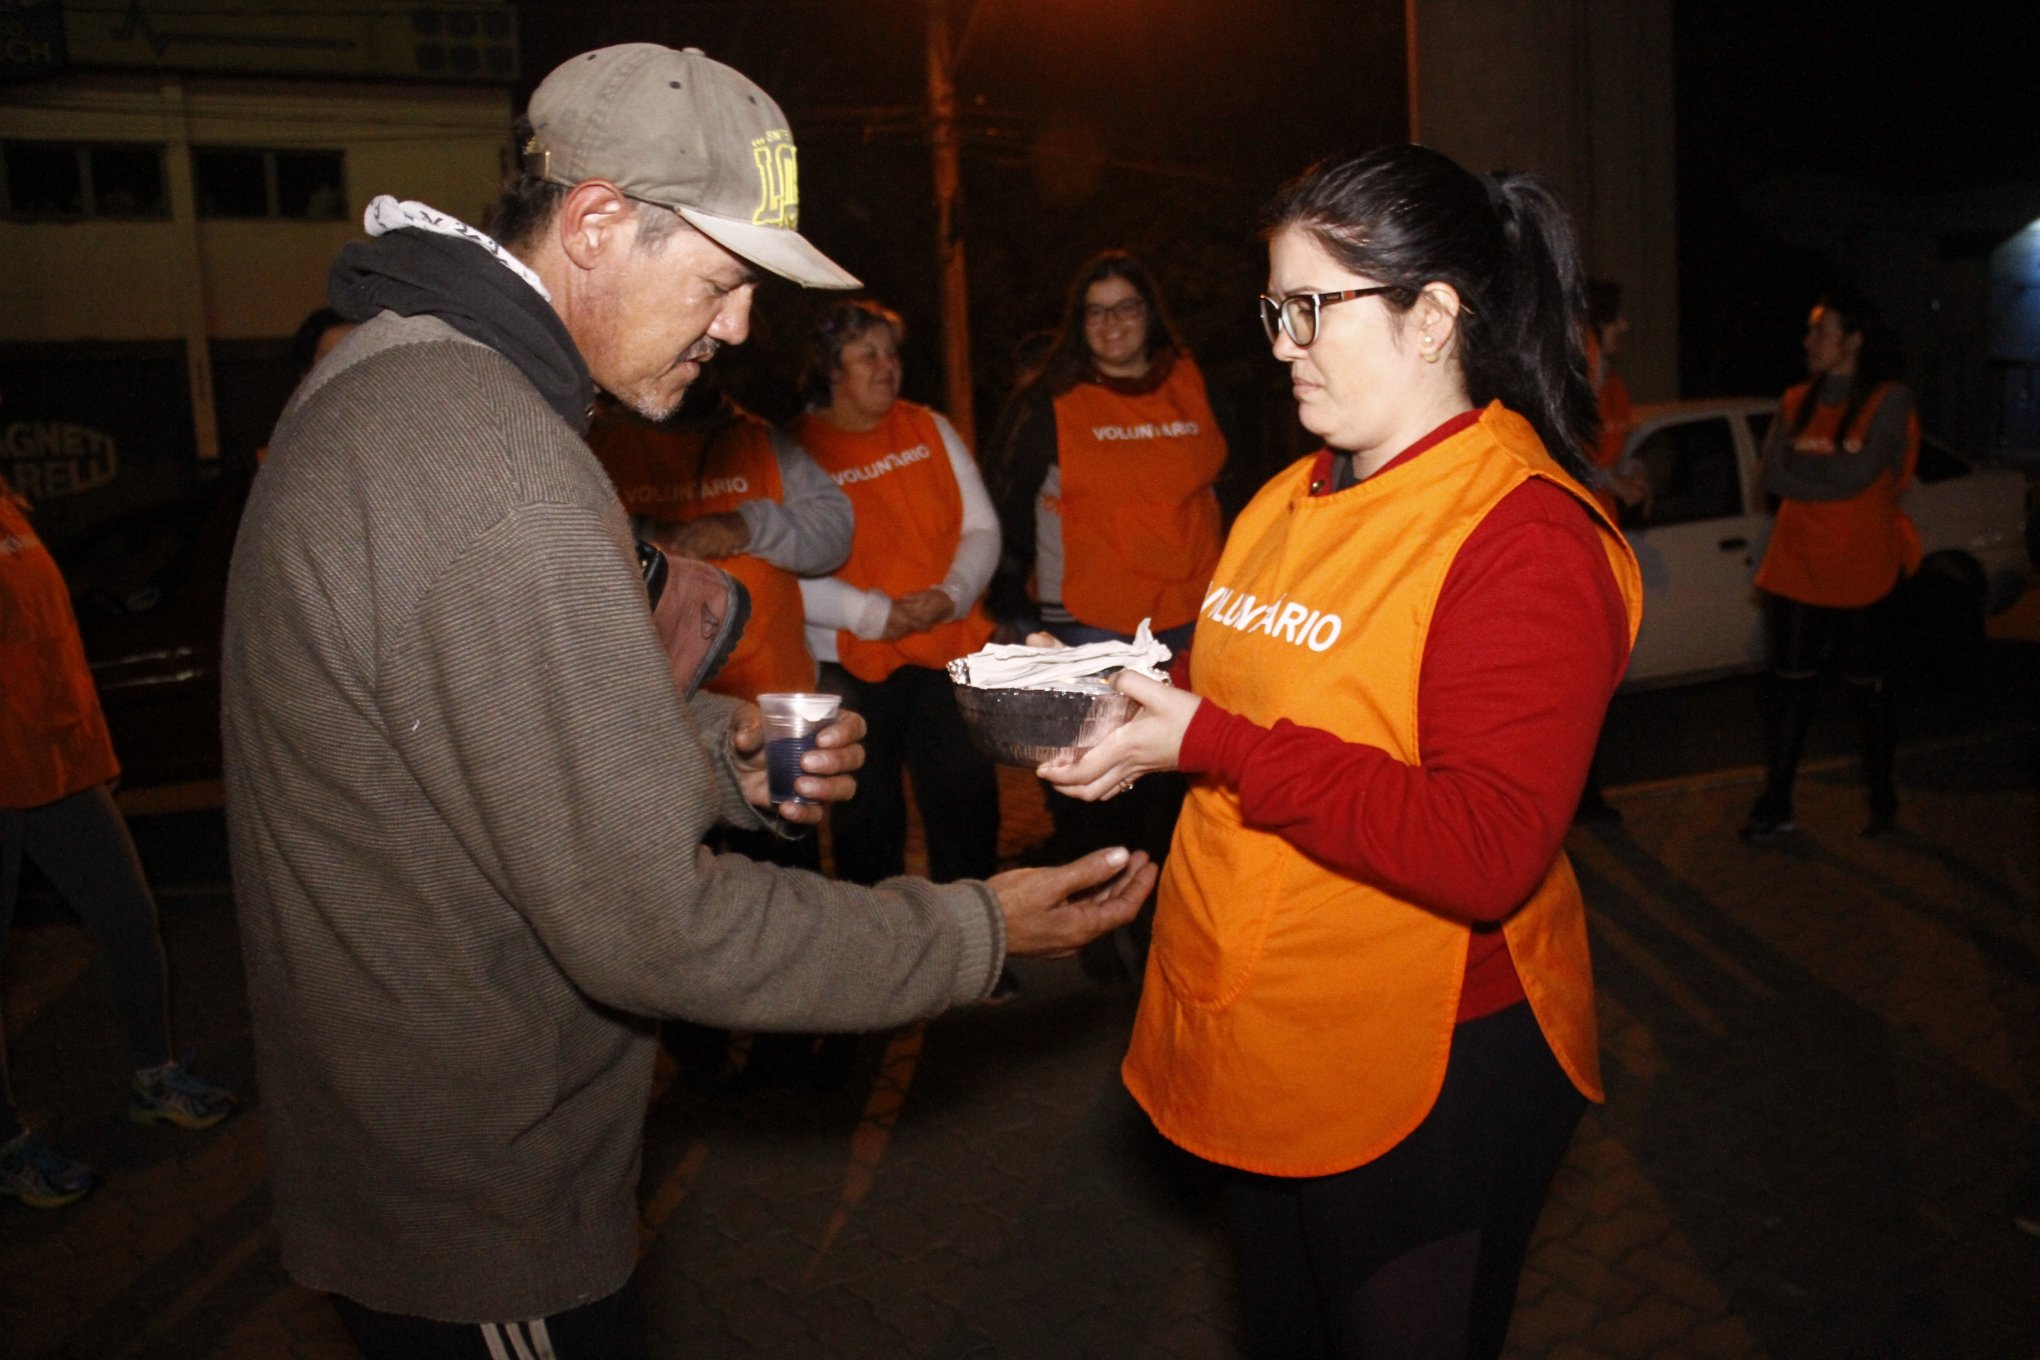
(1839, 455)
(1105, 471)
(718, 483)
(1368, 998)
(903, 606)
(1104, 478)
(1616, 483)
(57, 811)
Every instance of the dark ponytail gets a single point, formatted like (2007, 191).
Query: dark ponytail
(1409, 216)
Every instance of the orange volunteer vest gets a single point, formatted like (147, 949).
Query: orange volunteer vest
(53, 739)
(1140, 521)
(909, 518)
(1296, 1021)
(1842, 554)
(682, 475)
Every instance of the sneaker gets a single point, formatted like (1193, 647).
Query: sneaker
(40, 1176)
(1768, 828)
(169, 1094)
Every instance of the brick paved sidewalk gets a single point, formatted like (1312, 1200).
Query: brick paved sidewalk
(1824, 1075)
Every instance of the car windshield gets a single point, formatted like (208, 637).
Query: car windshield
(1692, 469)
(134, 564)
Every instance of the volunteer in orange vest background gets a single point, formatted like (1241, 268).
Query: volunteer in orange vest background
(1104, 482)
(1616, 483)
(713, 481)
(1368, 997)
(905, 603)
(56, 810)
(1839, 455)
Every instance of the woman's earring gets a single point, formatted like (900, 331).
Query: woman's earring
(1430, 351)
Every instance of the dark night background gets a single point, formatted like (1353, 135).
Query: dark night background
(1162, 125)
(1157, 125)
(1918, 104)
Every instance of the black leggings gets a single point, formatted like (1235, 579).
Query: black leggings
(82, 846)
(912, 725)
(1414, 1256)
(1803, 635)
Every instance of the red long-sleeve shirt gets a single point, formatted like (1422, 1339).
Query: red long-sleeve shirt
(1529, 637)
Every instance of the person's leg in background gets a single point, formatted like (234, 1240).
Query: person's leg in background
(81, 844)
(30, 1170)
(733, 1057)
(954, 784)
(1862, 647)
(868, 834)
(956, 788)
(1798, 633)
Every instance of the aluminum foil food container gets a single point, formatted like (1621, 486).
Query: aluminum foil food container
(1028, 726)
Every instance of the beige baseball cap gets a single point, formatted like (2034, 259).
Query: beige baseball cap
(681, 130)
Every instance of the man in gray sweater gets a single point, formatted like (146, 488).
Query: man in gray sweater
(466, 803)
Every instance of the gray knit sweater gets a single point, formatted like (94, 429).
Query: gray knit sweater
(466, 811)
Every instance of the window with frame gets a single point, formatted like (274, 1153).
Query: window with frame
(74, 181)
(1693, 473)
(251, 182)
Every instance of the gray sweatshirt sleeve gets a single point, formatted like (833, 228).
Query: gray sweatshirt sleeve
(571, 771)
(807, 532)
(1839, 475)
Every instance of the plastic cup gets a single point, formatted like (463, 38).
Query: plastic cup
(791, 722)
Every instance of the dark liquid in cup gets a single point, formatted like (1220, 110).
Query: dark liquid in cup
(782, 766)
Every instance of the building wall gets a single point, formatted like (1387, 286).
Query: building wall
(121, 280)
(1578, 92)
(226, 292)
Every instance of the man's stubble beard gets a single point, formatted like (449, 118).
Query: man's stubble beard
(654, 404)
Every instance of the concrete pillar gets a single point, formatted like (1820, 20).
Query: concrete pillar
(187, 283)
(1580, 93)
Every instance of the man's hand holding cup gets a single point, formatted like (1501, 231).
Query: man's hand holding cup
(796, 753)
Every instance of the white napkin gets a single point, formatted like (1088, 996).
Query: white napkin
(999, 666)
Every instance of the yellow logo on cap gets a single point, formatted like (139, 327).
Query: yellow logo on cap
(778, 181)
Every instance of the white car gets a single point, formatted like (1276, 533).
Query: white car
(1703, 536)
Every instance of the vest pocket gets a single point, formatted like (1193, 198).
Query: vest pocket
(1212, 924)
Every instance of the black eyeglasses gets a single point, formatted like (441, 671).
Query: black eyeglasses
(652, 563)
(1296, 316)
(1126, 309)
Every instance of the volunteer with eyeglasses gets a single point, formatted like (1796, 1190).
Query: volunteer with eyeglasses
(1369, 997)
(1104, 478)
(1104, 484)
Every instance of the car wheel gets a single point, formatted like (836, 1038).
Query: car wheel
(1938, 629)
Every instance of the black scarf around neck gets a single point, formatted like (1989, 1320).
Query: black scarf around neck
(424, 273)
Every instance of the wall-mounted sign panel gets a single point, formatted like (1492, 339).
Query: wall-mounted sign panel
(90, 430)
